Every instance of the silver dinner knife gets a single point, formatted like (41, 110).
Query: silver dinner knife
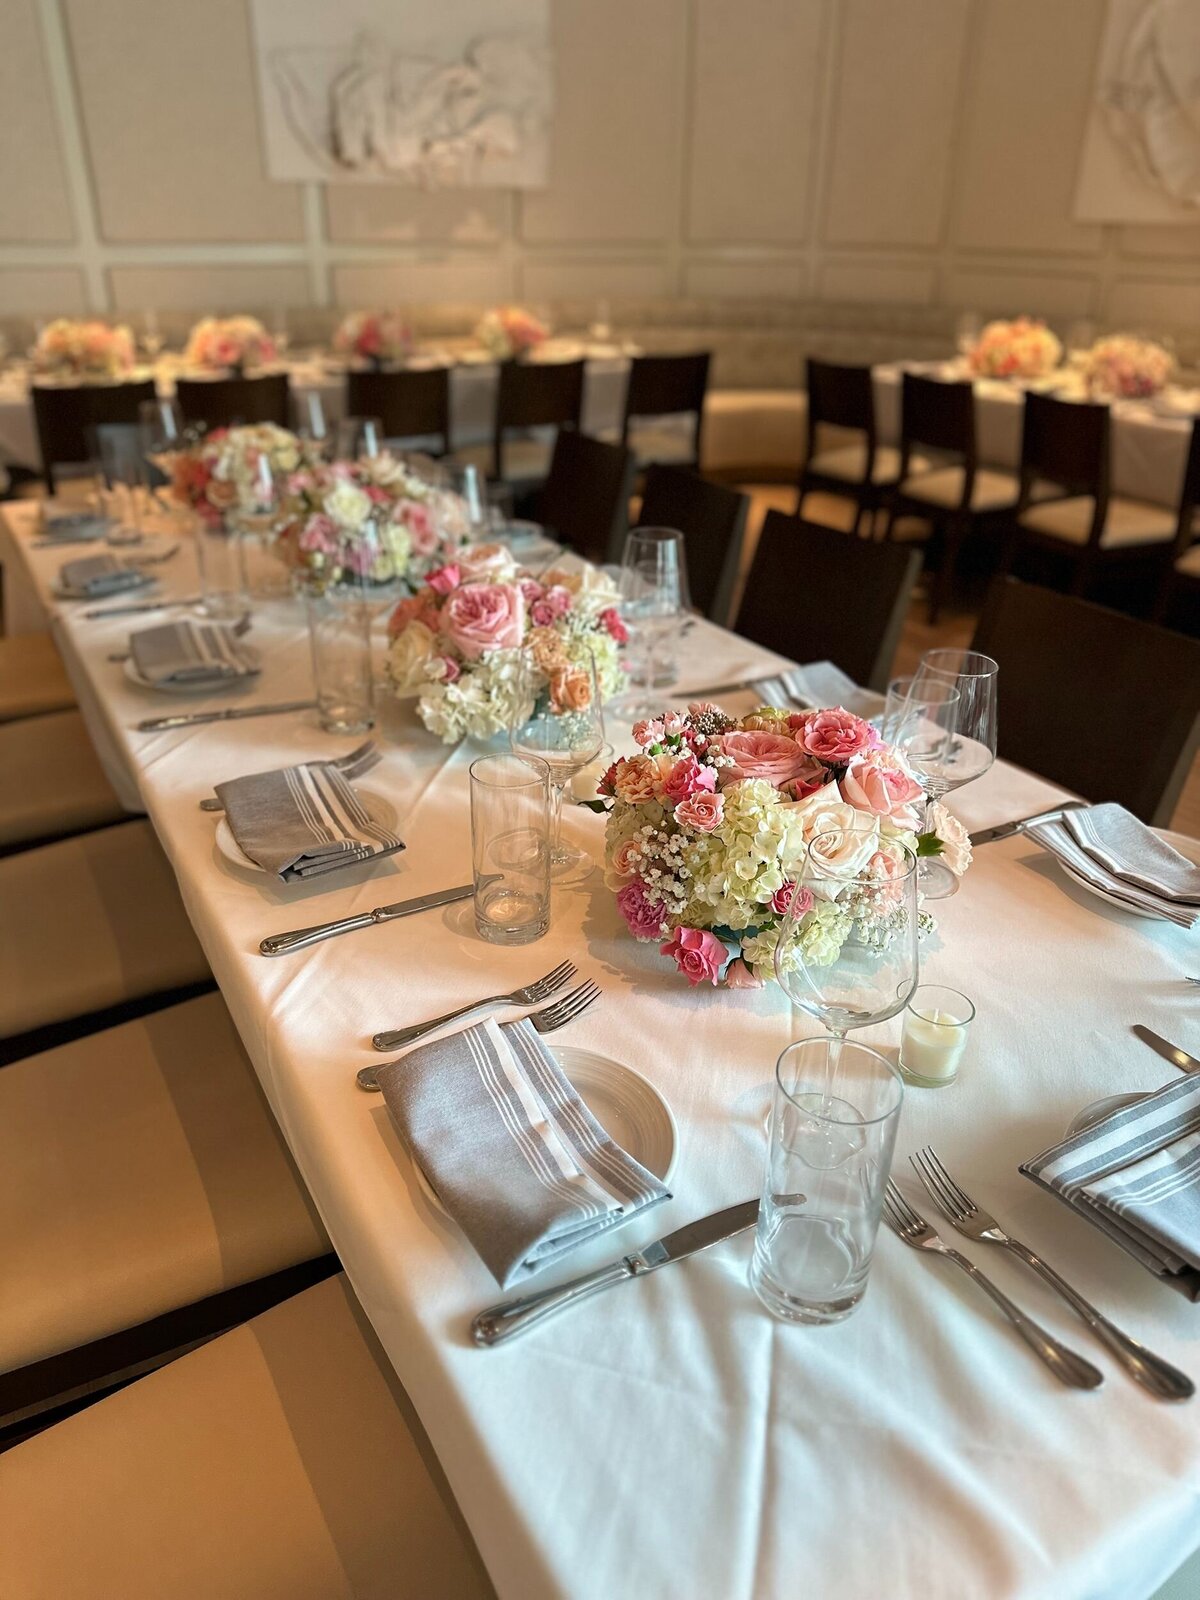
(195, 719)
(506, 1320)
(1169, 1052)
(280, 944)
(1005, 830)
(142, 605)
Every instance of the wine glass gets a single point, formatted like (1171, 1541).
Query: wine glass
(259, 517)
(972, 751)
(314, 427)
(654, 597)
(920, 719)
(281, 335)
(359, 438)
(565, 729)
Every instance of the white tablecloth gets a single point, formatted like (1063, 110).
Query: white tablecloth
(669, 1439)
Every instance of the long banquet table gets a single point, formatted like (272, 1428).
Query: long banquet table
(669, 1438)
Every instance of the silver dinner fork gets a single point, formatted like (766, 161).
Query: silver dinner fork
(545, 1021)
(540, 989)
(1066, 1366)
(359, 760)
(1142, 1365)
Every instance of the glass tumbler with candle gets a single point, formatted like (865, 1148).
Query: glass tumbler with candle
(510, 847)
(934, 1035)
(828, 1157)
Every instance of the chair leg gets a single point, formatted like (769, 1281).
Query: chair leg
(939, 591)
(890, 523)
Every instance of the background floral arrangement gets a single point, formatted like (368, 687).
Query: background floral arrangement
(374, 335)
(465, 641)
(371, 518)
(1023, 348)
(221, 471)
(710, 823)
(1128, 368)
(229, 342)
(84, 349)
(509, 331)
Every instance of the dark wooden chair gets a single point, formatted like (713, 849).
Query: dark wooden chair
(1092, 699)
(665, 386)
(234, 402)
(585, 499)
(1066, 444)
(65, 417)
(937, 424)
(712, 520)
(412, 405)
(529, 395)
(1179, 586)
(864, 470)
(816, 594)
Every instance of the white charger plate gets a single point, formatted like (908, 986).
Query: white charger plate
(627, 1106)
(205, 686)
(1186, 847)
(377, 808)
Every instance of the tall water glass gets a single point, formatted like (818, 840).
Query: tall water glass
(654, 597)
(510, 847)
(359, 438)
(223, 595)
(920, 719)
(125, 476)
(339, 636)
(833, 1130)
(974, 677)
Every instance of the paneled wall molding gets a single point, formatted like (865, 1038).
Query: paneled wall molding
(921, 154)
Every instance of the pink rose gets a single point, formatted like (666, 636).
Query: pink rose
(417, 518)
(772, 756)
(698, 954)
(702, 811)
(485, 616)
(875, 782)
(739, 976)
(531, 589)
(486, 561)
(836, 736)
(444, 579)
(687, 777)
(542, 614)
(611, 620)
(451, 671)
(643, 918)
(791, 894)
(319, 534)
(647, 732)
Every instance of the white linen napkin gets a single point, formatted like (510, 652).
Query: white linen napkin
(1130, 850)
(1053, 836)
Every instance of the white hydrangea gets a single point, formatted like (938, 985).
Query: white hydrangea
(485, 701)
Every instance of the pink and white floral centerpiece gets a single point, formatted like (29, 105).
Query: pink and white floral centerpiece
(230, 342)
(1124, 367)
(463, 644)
(374, 336)
(1022, 348)
(709, 825)
(84, 349)
(508, 332)
(221, 472)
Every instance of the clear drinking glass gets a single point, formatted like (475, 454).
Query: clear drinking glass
(125, 477)
(314, 427)
(966, 332)
(654, 597)
(259, 517)
(151, 339)
(510, 847)
(223, 595)
(975, 678)
(339, 636)
(565, 730)
(359, 438)
(829, 1153)
(920, 719)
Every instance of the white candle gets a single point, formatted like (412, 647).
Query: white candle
(934, 1035)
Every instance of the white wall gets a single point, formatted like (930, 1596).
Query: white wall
(913, 151)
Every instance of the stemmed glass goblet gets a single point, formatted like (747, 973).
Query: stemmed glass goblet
(565, 729)
(920, 719)
(654, 597)
(974, 677)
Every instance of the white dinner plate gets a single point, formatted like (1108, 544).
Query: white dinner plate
(1186, 847)
(1092, 1114)
(113, 596)
(628, 1107)
(203, 686)
(377, 808)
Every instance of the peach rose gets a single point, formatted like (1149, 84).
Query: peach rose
(876, 782)
(702, 811)
(626, 857)
(570, 689)
(757, 754)
(637, 780)
(485, 616)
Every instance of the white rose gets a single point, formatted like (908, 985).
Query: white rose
(492, 563)
(347, 504)
(841, 843)
(408, 656)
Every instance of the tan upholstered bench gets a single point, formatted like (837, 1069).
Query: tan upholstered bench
(754, 435)
(51, 783)
(32, 677)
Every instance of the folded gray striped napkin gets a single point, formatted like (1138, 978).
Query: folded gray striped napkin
(189, 652)
(1056, 837)
(819, 684)
(301, 822)
(1136, 1174)
(72, 526)
(1130, 850)
(98, 575)
(513, 1153)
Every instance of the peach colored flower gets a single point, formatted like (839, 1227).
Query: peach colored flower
(757, 754)
(637, 780)
(739, 976)
(701, 810)
(626, 857)
(570, 689)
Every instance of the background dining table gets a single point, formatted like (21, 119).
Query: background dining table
(670, 1438)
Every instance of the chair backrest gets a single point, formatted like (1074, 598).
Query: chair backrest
(585, 499)
(536, 394)
(938, 416)
(840, 396)
(817, 594)
(65, 414)
(667, 386)
(712, 520)
(1189, 496)
(1065, 442)
(1063, 661)
(411, 405)
(232, 402)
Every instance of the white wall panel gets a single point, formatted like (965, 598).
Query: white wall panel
(257, 289)
(1005, 292)
(34, 204)
(754, 104)
(1151, 305)
(548, 280)
(733, 279)
(41, 292)
(897, 282)
(428, 278)
(395, 214)
(1171, 243)
(896, 79)
(618, 113)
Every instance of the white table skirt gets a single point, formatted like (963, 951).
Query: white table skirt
(669, 1438)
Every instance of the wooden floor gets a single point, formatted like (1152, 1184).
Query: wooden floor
(955, 627)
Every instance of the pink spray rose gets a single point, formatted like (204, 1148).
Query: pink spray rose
(836, 736)
(875, 782)
(611, 619)
(701, 810)
(485, 616)
(444, 579)
(791, 894)
(698, 954)
(687, 777)
(643, 918)
(648, 732)
(757, 754)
